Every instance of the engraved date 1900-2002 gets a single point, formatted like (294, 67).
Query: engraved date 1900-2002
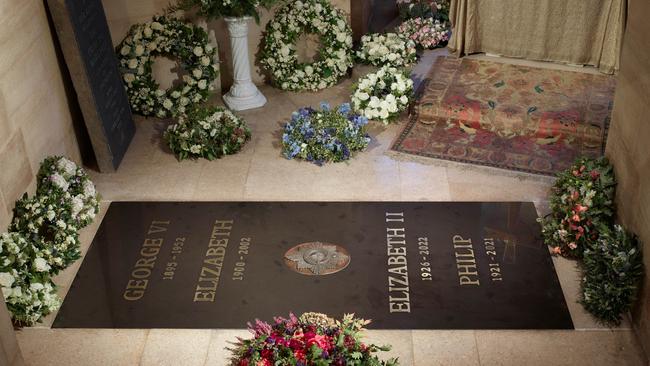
(240, 265)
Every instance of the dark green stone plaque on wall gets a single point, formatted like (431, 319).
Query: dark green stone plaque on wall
(87, 47)
(417, 265)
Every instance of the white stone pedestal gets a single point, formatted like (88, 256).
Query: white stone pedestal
(243, 94)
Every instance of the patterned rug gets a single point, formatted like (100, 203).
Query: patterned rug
(508, 116)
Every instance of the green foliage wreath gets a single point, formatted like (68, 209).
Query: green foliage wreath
(166, 37)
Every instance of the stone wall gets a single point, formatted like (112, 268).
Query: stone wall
(121, 14)
(627, 146)
(35, 117)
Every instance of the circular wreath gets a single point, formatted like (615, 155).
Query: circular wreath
(207, 133)
(166, 37)
(279, 56)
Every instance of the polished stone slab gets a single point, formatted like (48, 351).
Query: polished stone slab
(406, 265)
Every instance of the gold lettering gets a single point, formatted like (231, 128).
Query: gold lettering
(200, 296)
(137, 284)
(400, 307)
(152, 242)
(144, 262)
(158, 227)
(149, 252)
(465, 261)
(397, 217)
(133, 295)
(396, 251)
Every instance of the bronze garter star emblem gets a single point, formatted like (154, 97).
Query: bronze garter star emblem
(317, 258)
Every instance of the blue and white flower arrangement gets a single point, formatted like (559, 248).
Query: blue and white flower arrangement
(325, 135)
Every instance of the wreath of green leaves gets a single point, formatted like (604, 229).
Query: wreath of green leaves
(294, 19)
(165, 36)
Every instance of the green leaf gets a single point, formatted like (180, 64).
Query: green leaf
(532, 109)
(492, 104)
(500, 84)
(539, 89)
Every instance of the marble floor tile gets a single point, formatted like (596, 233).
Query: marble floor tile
(221, 342)
(475, 183)
(174, 347)
(401, 342)
(423, 183)
(81, 347)
(445, 347)
(570, 348)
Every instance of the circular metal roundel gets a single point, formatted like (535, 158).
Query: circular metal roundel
(317, 258)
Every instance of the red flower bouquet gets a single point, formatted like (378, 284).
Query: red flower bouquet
(311, 339)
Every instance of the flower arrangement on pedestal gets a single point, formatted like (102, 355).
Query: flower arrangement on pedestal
(383, 95)
(165, 36)
(214, 9)
(294, 19)
(386, 49)
(43, 238)
(328, 135)
(207, 133)
(427, 33)
(581, 225)
(311, 339)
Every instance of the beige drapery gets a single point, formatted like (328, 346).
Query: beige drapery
(588, 32)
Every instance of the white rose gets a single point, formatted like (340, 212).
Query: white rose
(41, 265)
(203, 84)
(168, 104)
(6, 279)
(139, 50)
(404, 99)
(156, 26)
(125, 50)
(205, 61)
(198, 51)
(197, 73)
(147, 32)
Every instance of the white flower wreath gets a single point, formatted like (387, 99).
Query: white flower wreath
(383, 95)
(168, 37)
(279, 53)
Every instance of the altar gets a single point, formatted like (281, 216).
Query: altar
(586, 32)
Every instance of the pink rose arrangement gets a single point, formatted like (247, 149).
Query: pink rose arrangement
(427, 33)
(311, 339)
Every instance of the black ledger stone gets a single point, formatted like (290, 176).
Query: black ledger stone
(417, 265)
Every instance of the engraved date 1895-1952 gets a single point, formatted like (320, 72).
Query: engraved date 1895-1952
(172, 265)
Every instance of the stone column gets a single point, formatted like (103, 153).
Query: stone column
(243, 94)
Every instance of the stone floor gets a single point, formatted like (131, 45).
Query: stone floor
(151, 172)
